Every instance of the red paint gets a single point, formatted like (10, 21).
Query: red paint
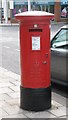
(34, 73)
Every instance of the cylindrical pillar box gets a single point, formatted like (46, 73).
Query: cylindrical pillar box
(35, 60)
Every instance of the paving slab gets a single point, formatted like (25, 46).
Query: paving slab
(15, 88)
(10, 100)
(5, 84)
(5, 90)
(16, 116)
(58, 98)
(60, 111)
(56, 103)
(5, 97)
(3, 113)
(44, 114)
(11, 110)
(14, 102)
(14, 95)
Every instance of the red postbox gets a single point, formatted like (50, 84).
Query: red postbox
(35, 60)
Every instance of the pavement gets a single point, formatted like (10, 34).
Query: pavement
(10, 100)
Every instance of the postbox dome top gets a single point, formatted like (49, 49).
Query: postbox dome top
(35, 13)
(34, 16)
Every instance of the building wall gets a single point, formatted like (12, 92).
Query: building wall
(60, 9)
(48, 6)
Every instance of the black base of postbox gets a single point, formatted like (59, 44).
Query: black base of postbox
(35, 99)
